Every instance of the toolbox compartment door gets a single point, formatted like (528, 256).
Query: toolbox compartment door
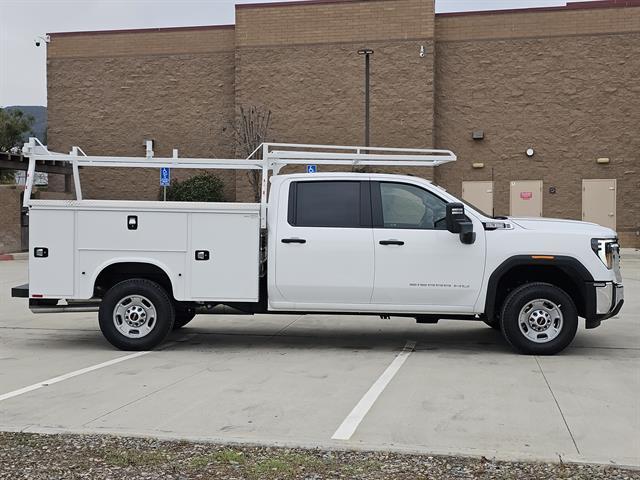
(51, 275)
(224, 256)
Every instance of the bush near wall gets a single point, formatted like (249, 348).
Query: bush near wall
(204, 187)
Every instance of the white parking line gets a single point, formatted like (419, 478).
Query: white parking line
(82, 371)
(67, 376)
(350, 424)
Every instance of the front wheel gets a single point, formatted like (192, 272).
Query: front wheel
(493, 323)
(539, 319)
(183, 317)
(136, 314)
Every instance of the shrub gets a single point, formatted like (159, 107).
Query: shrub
(204, 187)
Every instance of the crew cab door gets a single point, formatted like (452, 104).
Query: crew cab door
(418, 262)
(323, 245)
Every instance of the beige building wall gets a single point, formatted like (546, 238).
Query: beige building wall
(561, 81)
(108, 92)
(10, 234)
(300, 61)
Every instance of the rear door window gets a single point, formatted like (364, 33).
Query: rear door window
(337, 204)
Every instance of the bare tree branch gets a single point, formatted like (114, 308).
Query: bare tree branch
(251, 131)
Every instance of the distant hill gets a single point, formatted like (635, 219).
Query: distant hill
(39, 113)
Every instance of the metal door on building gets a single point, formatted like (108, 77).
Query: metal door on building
(526, 198)
(599, 202)
(479, 194)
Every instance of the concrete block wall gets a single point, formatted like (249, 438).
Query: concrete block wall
(10, 234)
(300, 61)
(561, 80)
(570, 94)
(109, 92)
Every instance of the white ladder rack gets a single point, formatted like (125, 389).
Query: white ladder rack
(275, 156)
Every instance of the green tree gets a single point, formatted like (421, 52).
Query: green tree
(204, 187)
(14, 125)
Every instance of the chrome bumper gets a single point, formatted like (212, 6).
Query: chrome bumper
(609, 299)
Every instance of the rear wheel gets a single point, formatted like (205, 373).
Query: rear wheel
(539, 319)
(136, 314)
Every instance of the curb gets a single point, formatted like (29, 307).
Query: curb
(14, 256)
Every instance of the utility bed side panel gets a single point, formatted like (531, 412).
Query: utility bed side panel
(85, 237)
(52, 275)
(228, 267)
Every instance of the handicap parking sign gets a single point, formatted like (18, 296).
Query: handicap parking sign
(312, 168)
(165, 176)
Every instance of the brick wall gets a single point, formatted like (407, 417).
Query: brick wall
(10, 234)
(109, 92)
(561, 80)
(329, 22)
(573, 98)
(543, 22)
(301, 63)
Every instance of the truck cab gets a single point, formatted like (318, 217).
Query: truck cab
(370, 242)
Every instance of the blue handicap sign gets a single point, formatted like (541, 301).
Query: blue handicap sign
(312, 169)
(165, 176)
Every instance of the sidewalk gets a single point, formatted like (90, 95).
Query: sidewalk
(14, 256)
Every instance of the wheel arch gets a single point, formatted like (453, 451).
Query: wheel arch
(562, 271)
(117, 270)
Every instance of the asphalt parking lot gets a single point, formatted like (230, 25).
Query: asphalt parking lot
(331, 381)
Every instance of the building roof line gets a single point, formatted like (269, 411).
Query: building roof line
(241, 6)
(570, 6)
(144, 30)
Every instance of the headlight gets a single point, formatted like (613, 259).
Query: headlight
(604, 248)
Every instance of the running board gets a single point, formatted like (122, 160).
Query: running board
(44, 306)
(83, 306)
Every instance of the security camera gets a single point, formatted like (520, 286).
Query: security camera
(40, 39)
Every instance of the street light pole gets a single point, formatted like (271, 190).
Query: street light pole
(367, 52)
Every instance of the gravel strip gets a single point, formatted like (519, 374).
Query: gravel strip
(36, 457)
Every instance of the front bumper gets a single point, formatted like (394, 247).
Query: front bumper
(608, 298)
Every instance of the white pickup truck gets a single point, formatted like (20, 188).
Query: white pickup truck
(356, 243)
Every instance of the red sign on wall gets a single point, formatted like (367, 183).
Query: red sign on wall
(526, 195)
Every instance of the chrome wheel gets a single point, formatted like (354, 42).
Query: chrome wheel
(540, 320)
(134, 316)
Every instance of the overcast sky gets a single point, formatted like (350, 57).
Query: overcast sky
(22, 64)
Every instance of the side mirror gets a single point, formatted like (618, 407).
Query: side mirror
(457, 222)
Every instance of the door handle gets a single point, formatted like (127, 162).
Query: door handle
(293, 240)
(391, 242)
(202, 255)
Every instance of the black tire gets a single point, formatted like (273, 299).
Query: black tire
(183, 317)
(159, 328)
(495, 324)
(543, 296)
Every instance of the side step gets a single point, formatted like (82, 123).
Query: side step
(48, 305)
